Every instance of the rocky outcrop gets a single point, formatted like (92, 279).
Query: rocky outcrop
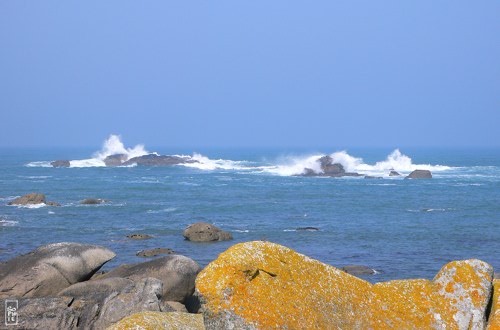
(154, 252)
(157, 160)
(205, 232)
(32, 199)
(60, 163)
(494, 320)
(372, 177)
(264, 285)
(357, 270)
(328, 168)
(177, 273)
(419, 174)
(51, 268)
(93, 201)
(166, 321)
(394, 173)
(46, 313)
(115, 160)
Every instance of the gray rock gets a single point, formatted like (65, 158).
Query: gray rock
(139, 236)
(358, 270)
(92, 201)
(154, 252)
(51, 268)
(115, 160)
(394, 173)
(60, 163)
(328, 168)
(177, 273)
(157, 160)
(307, 229)
(177, 306)
(47, 313)
(104, 302)
(419, 174)
(372, 177)
(205, 232)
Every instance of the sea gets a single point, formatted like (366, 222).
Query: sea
(400, 228)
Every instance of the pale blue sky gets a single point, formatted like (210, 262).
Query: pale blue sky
(250, 73)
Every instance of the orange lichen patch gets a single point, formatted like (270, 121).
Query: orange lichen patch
(160, 321)
(266, 286)
(494, 320)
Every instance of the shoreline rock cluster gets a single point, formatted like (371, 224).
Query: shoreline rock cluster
(252, 285)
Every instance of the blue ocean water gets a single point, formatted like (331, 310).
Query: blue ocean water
(401, 228)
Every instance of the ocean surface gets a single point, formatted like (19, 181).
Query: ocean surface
(401, 228)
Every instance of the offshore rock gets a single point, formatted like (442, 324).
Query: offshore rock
(93, 201)
(358, 270)
(60, 163)
(50, 268)
(328, 168)
(205, 232)
(261, 285)
(177, 273)
(115, 160)
(156, 160)
(394, 173)
(139, 236)
(32, 199)
(419, 174)
(154, 252)
(494, 320)
(165, 321)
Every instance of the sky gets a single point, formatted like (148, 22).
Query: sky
(358, 73)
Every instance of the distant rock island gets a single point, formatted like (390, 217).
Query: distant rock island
(144, 160)
(328, 168)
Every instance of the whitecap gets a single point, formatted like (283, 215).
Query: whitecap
(39, 164)
(31, 206)
(167, 210)
(8, 223)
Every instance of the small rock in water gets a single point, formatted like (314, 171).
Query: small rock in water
(372, 177)
(358, 270)
(139, 236)
(394, 173)
(154, 252)
(205, 232)
(60, 163)
(419, 174)
(307, 229)
(93, 201)
(32, 199)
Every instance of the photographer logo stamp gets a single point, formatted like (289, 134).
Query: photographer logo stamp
(11, 317)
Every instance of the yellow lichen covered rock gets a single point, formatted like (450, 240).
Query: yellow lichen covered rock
(494, 321)
(160, 321)
(266, 286)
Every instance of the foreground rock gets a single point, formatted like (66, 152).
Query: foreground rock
(205, 232)
(165, 321)
(265, 285)
(494, 320)
(419, 174)
(32, 199)
(47, 313)
(154, 252)
(50, 268)
(357, 270)
(60, 163)
(328, 168)
(178, 274)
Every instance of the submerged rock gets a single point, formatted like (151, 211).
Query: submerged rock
(419, 174)
(32, 199)
(264, 285)
(156, 320)
(307, 229)
(60, 163)
(372, 177)
(358, 270)
(92, 201)
(177, 273)
(139, 236)
(205, 232)
(154, 252)
(51, 268)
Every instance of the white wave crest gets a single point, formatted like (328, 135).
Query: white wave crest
(31, 206)
(395, 161)
(7, 223)
(39, 164)
(205, 163)
(114, 146)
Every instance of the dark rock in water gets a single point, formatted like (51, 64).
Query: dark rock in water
(307, 229)
(154, 252)
(358, 270)
(139, 236)
(394, 173)
(60, 163)
(205, 232)
(372, 177)
(328, 168)
(115, 160)
(51, 268)
(32, 199)
(419, 174)
(103, 302)
(177, 273)
(93, 201)
(156, 160)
